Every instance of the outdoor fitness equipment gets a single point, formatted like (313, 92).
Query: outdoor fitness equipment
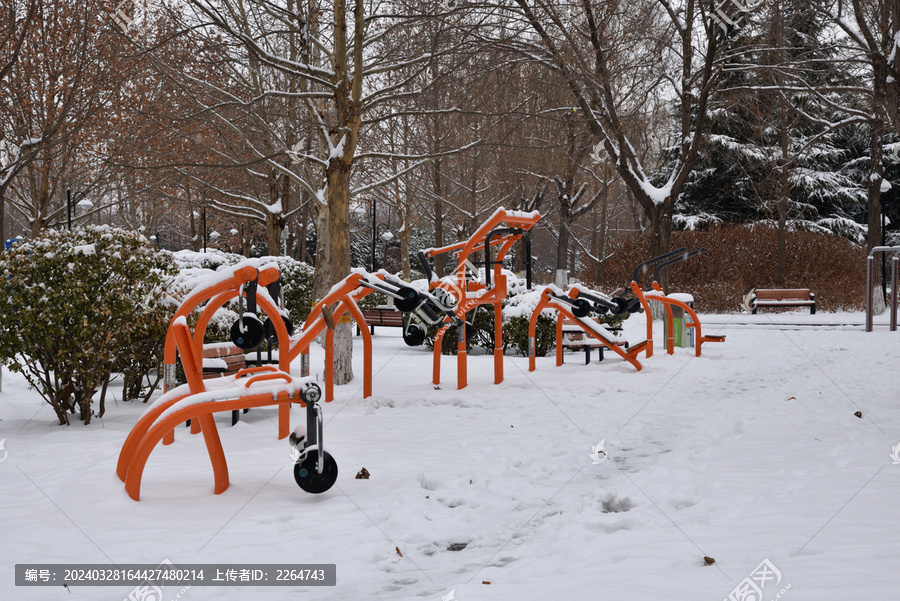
(199, 399)
(870, 278)
(467, 290)
(656, 294)
(577, 305)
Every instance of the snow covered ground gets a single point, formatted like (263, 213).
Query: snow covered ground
(748, 454)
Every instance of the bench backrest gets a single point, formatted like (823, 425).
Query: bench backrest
(231, 354)
(783, 294)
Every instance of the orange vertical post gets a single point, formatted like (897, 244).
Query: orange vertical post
(498, 343)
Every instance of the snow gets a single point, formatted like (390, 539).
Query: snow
(275, 207)
(749, 453)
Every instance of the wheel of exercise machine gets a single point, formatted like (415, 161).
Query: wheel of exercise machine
(621, 305)
(269, 328)
(309, 479)
(414, 335)
(581, 307)
(409, 299)
(247, 332)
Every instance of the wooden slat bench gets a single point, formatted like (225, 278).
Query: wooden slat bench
(383, 315)
(794, 297)
(224, 359)
(574, 337)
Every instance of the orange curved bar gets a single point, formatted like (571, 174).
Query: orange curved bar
(532, 329)
(636, 289)
(203, 413)
(267, 376)
(241, 276)
(138, 431)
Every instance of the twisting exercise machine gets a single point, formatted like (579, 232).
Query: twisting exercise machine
(470, 287)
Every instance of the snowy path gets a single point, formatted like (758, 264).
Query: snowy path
(750, 452)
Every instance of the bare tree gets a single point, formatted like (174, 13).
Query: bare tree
(621, 63)
(339, 70)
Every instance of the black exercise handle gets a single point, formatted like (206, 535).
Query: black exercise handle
(679, 259)
(250, 289)
(275, 292)
(647, 263)
(609, 305)
(501, 231)
(426, 266)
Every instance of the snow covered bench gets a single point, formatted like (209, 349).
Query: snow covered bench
(574, 337)
(788, 297)
(224, 359)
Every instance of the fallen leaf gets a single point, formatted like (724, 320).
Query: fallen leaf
(397, 549)
(858, 414)
(485, 582)
(363, 474)
(709, 560)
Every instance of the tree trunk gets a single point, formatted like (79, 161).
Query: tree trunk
(562, 249)
(333, 258)
(405, 267)
(781, 234)
(438, 217)
(660, 237)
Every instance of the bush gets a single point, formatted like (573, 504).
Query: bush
(739, 258)
(75, 306)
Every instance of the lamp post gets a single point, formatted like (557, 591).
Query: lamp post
(69, 204)
(885, 195)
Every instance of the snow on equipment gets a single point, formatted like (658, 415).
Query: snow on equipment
(471, 287)
(577, 305)
(671, 301)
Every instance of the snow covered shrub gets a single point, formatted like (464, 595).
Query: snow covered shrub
(76, 306)
(296, 279)
(517, 310)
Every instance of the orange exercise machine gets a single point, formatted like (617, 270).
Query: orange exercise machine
(657, 294)
(199, 399)
(577, 305)
(465, 291)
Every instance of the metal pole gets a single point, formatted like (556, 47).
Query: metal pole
(204, 228)
(893, 295)
(870, 263)
(883, 257)
(69, 207)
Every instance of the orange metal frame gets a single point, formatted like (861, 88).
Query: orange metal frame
(699, 339)
(548, 302)
(280, 387)
(473, 294)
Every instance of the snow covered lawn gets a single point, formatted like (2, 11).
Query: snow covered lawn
(749, 453)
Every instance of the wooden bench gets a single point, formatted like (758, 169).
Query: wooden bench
(224, 359)
(574, 337)
(795, 297)
(382, 315)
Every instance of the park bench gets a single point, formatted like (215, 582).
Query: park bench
(382, 315)
(224, 359)
(574, 337)
(787, 297)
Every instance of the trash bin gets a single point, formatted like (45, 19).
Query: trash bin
(683, 335)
